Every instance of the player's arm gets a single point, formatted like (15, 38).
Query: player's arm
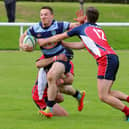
(74, 45)
(52, 39)
(24, 47)
(21, 39)
(73, 25)
(46, 61)
(56, 38)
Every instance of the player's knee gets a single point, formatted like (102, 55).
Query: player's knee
(69, 79)
(103, 98)
(59, 98)
(50, 76)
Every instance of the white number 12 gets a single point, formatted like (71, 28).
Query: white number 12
(100, 34)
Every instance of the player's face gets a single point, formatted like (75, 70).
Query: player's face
(46, 17)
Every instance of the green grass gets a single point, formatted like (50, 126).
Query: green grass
(17, 110)
(18, 73)
(29, 12)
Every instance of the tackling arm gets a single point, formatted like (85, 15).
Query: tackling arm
(46, 61)
(74, 45)
(52, 39)
(73, 25)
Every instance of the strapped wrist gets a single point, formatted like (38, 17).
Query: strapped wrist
(54, 58)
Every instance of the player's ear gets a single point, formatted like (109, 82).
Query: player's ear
(52, 16)
(85, 18)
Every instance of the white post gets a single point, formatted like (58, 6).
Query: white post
(21, 29)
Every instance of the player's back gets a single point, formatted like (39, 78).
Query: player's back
(94, 39)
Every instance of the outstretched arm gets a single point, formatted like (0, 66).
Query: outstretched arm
(59, 37)
(73, 45)
(52, 39)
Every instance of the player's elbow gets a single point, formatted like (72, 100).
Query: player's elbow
(38, 65)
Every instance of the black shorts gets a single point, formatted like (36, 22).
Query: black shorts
(67, 65)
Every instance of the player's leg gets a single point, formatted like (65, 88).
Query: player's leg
(53, 74)
(66, 88)
(59, 97)
(104, 89)
(78, 95)
(120, 95)
(59, 111)
(107, 69)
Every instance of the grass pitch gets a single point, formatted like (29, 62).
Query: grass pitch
(17, 110)
(18, 73)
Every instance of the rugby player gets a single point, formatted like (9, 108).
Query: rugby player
(95, 41)
(39, 92)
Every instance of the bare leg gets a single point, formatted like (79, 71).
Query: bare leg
(67, 89)
(54, 74)
(119, 95)
(59, 111)
(104, 87)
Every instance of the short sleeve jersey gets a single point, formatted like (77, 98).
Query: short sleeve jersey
(56, 27)
(93, 38)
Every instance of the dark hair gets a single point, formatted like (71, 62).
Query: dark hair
(49, 8)
(92, 14)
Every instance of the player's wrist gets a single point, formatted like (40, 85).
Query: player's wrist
(54, 58)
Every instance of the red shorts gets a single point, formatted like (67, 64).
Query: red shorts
(108, 66)
(41, 104)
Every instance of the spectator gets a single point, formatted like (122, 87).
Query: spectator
(10, 6)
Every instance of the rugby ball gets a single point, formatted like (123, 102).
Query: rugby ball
(30, 41)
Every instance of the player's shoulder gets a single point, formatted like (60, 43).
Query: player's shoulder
(35, 26)
(62, 24)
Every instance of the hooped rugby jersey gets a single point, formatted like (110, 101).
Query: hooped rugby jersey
(93, 38)
(56, 27)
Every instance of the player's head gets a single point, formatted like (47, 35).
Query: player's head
(92, 14)
(46, 15)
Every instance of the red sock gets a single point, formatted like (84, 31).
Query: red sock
(126, 111)
(127, 99)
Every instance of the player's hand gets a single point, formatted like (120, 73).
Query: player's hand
(80, 16)
(60, 57)
(27, 48)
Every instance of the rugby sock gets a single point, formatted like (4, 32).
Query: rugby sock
(126, 111)
(50, 104)
(127, 99)
(77, 95)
